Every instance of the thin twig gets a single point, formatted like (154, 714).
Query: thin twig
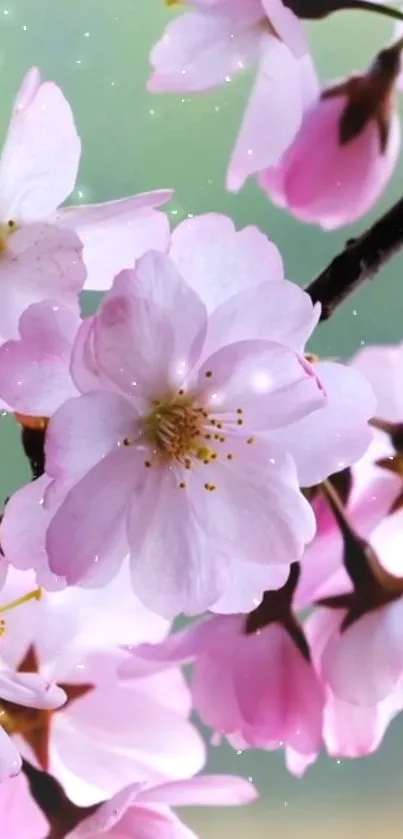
(359, 261)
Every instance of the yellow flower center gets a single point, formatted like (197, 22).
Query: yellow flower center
(177, 430)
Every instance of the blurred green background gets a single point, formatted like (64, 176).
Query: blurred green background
(97, 51)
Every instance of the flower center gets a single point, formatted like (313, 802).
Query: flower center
(176, 429)
(16, 719)
(6, 230)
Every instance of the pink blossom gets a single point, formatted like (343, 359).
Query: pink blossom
(257, 689)
(206, 46)
(344, 153)
(38, 171)
(109, 731)
(20, 817)
(139, 350)
(144, 811)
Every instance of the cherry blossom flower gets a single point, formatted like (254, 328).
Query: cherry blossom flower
(228, 416)
(206, 46)
(144, 811)
(20, 817)
(38, 171)
(345, 151)
(257, 688)
(108, 731)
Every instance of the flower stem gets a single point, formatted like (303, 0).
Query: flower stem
(360, 260)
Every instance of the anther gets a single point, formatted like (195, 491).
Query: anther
(230, 456)
(239, 422)
(147, 463)
(239, 411)
(182, 485)
(250, 440)
(208, 374)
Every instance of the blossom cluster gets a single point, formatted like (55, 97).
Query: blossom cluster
(191, 457)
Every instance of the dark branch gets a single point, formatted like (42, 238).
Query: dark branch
(60, 812)
(359, 261)
(314, 10)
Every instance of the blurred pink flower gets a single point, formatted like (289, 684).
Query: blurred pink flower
(144, 812)
(20, 817)
(108, 731)
(343, 155)
(130, 475)
(38, 171)
(207, 46)
(259, 690)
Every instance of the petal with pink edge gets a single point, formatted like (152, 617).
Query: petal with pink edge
(86, 535)
(142, 341)
(334, 434)
(34, 371)
(30, 690)
(218, 261)
(268, 383)
(39, 162)
(272, 117)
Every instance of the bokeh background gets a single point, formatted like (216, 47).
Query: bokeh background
(97, 50)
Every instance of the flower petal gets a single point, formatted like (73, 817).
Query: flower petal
(272, 117)
(39, 162)
(267, 383)
(34, 371)
(44, 262)
(199, 51)
(336, 435)
(279, 312)
(117, 233)
(30, 690)
(86, 534)
(142, 341)
(218, 261)
(205, 790)
(10, 760)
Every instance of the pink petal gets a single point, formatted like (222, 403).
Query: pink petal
(86, 534)
(34, 371)
(279, 312)
(84, 430)
(44, 262)
(23, 528)
(205, 790)
(117, 233)
(272, 117)
(178, 648)
(40, 157)
(141, 339)
(199, 51)
(279, 694)
(336, 436)
(10, 760)
(287, 25)
(269, 383)
(218, 261)
(30, 690)
(354, 731)
(21, 816)
(173, 565)
(375, 641)
(297, 763)
(246, 584)
(382, 365)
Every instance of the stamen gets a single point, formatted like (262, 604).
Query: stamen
(32, 595)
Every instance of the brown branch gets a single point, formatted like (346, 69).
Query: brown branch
(359, 261)
(318, 9)
(50, 797)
